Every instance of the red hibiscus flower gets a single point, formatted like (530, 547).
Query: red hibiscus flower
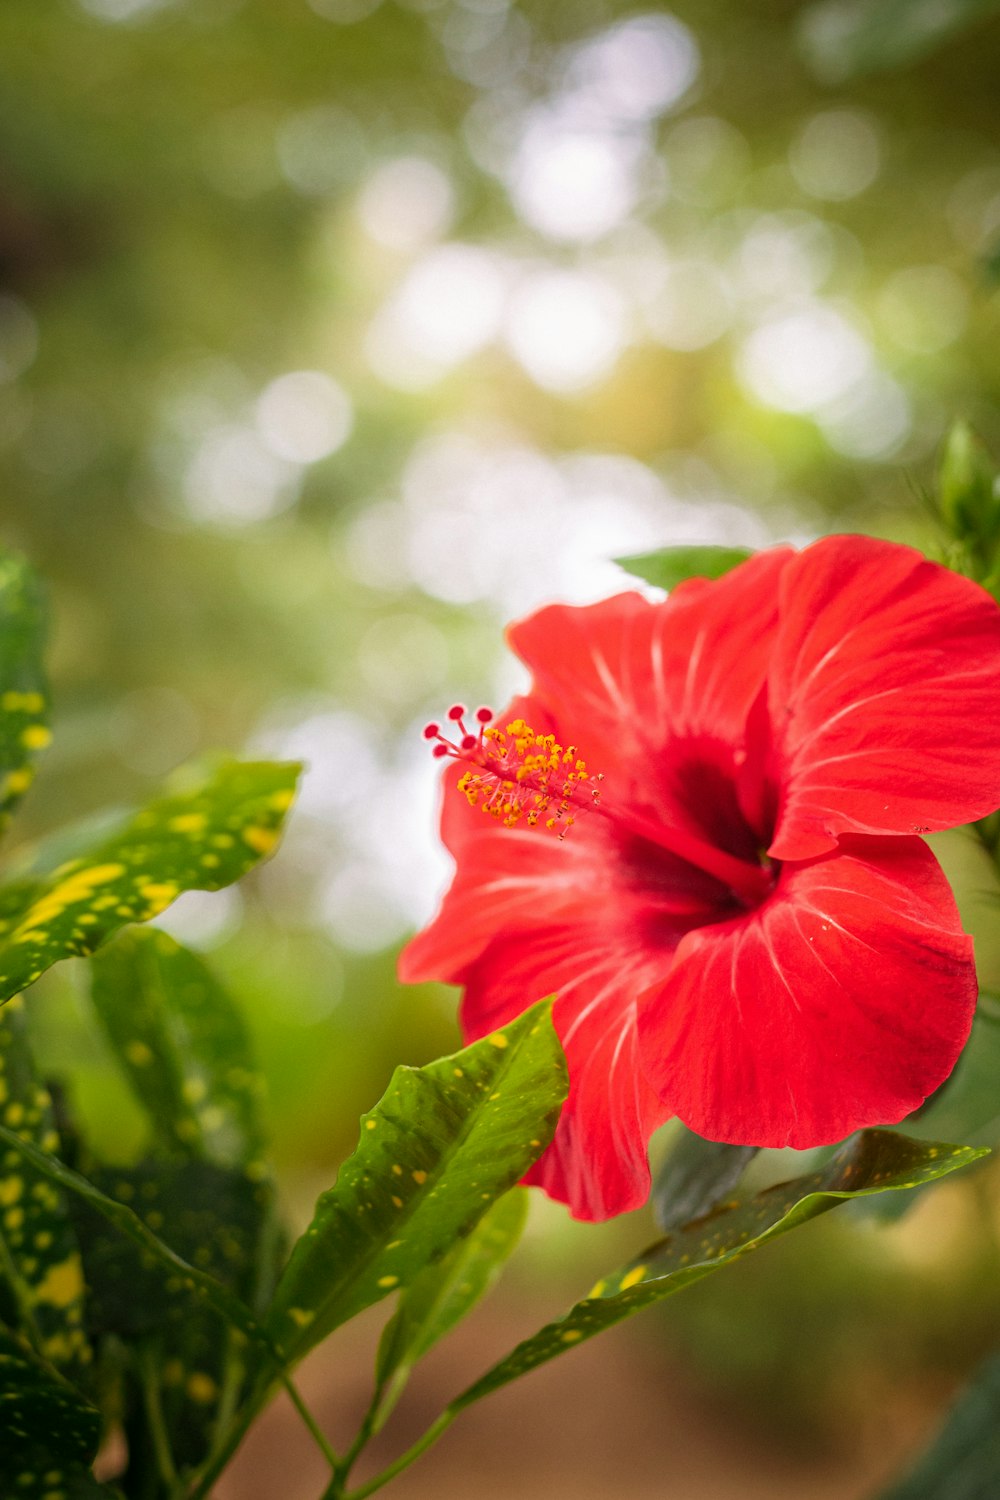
(741, 925)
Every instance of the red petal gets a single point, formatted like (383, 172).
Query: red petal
(842, 1002)
(507, 879)
(597, 1162)
(511, 880)
(884, 696)
(638, 674)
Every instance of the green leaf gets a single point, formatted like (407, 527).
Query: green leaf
(844, 38)
(23, 688)
(183, 1046)
(213, 1218)
(871, 1162)
(41, 1281)
(671, 566)
(200, 839)
(967, 1106)
(963, 1461)
(695, 1176)
(966, 490)
(48, 1432)
(442, 1294)
(204, 1288)
(442, 1145)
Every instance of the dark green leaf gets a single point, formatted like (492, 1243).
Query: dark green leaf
(871, 1162)
(967, 1106)
(200, 839)
(845, 38)
(212, 1218)
(963, 1462)
(444, 1293)
(209, 1216)
(23, 689)
(183, 1046)
(671, 566)
(204, 1289)
(441, 1146)
(41, 1285)
(695, 1176)
(48, 1432)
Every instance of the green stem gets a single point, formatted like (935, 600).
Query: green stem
(232, 1380)
(384, 1400)
(202, 1480)
(310, 1421)
(365, 1432)
(148, 1367)
(430, 1437)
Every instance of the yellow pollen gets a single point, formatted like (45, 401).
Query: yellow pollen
(515, 773)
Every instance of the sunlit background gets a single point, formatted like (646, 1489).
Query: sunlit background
(336, 333)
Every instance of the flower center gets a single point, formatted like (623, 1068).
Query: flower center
(514, 773)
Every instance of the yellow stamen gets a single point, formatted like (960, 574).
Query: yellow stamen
(514, 773)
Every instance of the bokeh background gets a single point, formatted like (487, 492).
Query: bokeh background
(333, 333)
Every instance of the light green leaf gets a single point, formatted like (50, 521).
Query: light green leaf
(844, 38)
(963, 1461)
(441, 1146)
(40, 1272)
(183, 1046)
(23, 688)
(48, 1432)
(443, 1293)
(695, 1176)
(871, 1162)
(672, 565)
(202, 838)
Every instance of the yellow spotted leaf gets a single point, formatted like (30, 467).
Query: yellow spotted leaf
(190, 1280)
(212, 1217)
(444, 1292)
(873, 1161)
(48, 1431)
(40, 1268)
(202, 838)
(441, 1146)
(184, 1048)
(23, 689)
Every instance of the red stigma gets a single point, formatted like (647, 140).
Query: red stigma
(483, 715)
(431, 731)
(441, 750)
(456, 712)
